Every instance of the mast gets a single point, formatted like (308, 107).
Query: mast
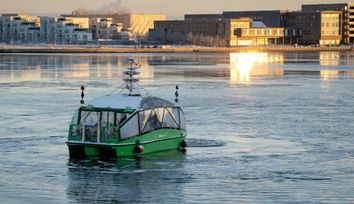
(131, 82)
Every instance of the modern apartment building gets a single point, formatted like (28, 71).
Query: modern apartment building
(100, 27)
(81, 35)
(203, 16)
(80, 22)
(347, 17)
(271, 18)
(257, 36)
(316, 27)
(301, 27)
(61, 30)
(139, 24)
(106, 29)
(14, 27)
(234, 32)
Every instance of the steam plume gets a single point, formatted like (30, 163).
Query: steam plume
(115, 7)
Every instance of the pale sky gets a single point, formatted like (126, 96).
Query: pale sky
(168, 7)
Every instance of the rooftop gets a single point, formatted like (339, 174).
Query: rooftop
(124, 101)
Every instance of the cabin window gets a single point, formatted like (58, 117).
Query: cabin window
(120, 118)
(90, 118)
(130, 128)
(97, 126)
(107, 118)
(151, 119)
(75, 118)
(143, 118)
(159, 114)
(107, 125)
(170, 120)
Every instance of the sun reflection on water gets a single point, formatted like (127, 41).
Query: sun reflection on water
(242, 65)
(329, 58)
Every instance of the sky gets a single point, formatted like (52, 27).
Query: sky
(167, 7)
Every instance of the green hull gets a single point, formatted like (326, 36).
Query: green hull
(155, 141)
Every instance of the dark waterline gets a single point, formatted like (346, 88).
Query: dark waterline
(264, 128)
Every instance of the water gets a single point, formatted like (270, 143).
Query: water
(263, 128)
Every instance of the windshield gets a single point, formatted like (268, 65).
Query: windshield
(105, 118)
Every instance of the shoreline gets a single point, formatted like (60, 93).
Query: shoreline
(106, 49)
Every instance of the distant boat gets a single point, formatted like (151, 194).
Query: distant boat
(126, 124)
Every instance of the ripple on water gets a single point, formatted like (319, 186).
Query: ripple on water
(196, 142)
(284, 136)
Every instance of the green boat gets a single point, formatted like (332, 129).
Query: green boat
(127, 123)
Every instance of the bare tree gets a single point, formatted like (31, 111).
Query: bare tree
(191, 39)
(200, 39)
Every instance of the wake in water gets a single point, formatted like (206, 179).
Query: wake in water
(196, 142)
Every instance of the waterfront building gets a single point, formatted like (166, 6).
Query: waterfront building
(1, 29)
(271, 18)
(81, 35)
(23, 28)
(115, 30)
(99, 27)
(126, 35)
(347, 17)
(141, 23)
(215, 32)
(104, 28)
(203, 16)
(257, 36)
(316, 27)
(28, 32)
(24, 16)
(48, 29)
(182, 31)
(80, 22)
(138, 24)
(63, 30)
(13, 27)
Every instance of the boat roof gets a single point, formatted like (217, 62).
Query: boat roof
(125, 101)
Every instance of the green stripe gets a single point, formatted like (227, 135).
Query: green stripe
(117, 145)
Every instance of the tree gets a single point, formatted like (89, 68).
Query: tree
(200, 39)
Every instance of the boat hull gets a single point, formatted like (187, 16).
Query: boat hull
(155, 141)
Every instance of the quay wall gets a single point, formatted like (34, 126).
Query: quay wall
(15, 49)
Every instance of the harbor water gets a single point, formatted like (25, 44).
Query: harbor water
(263, 128)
